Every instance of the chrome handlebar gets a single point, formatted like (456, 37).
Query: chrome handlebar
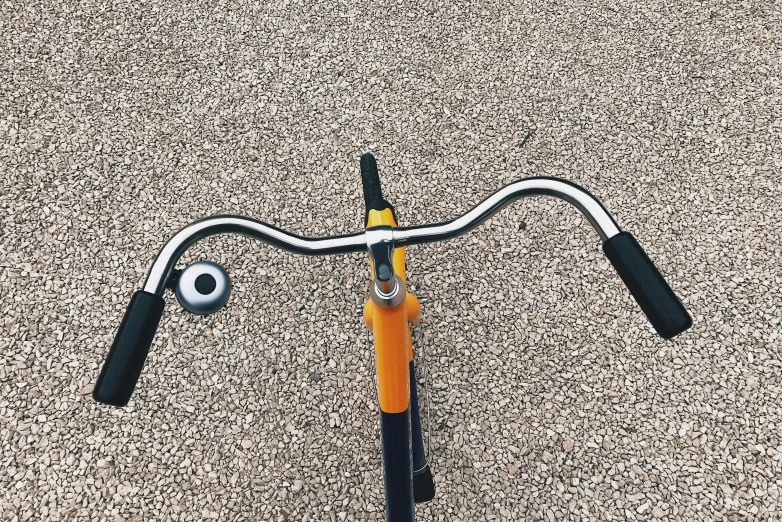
(597, 215)
(160, 273)
(126, 357)
(162, 268)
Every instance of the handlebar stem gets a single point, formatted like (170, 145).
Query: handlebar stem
(380, 245)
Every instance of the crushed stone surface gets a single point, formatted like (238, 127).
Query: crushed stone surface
(551, 397)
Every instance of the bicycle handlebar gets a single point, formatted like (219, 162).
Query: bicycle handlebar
(595, 213)
(163, 266)
(131, 345)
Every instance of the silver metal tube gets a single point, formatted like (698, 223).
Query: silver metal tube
(597, 215)
(182, 240)
(164, 264)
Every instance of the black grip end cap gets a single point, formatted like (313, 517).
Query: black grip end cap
(127, 355)
(652, 293)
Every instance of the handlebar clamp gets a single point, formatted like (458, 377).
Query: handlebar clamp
(380, 245)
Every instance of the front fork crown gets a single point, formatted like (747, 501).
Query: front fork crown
(411, 301)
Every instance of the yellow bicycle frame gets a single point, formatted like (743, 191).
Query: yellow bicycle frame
(391, 329)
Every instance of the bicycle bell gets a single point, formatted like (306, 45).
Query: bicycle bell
(203, 288)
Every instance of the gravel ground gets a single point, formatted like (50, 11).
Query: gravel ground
(551, 397)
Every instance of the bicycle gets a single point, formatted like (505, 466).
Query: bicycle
(204, 288)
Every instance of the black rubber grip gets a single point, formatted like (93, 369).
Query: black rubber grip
(370, 180)
(650, 290)
(123, 365)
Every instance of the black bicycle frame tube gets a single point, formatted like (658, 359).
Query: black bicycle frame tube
(396, 441)
(403, 454)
